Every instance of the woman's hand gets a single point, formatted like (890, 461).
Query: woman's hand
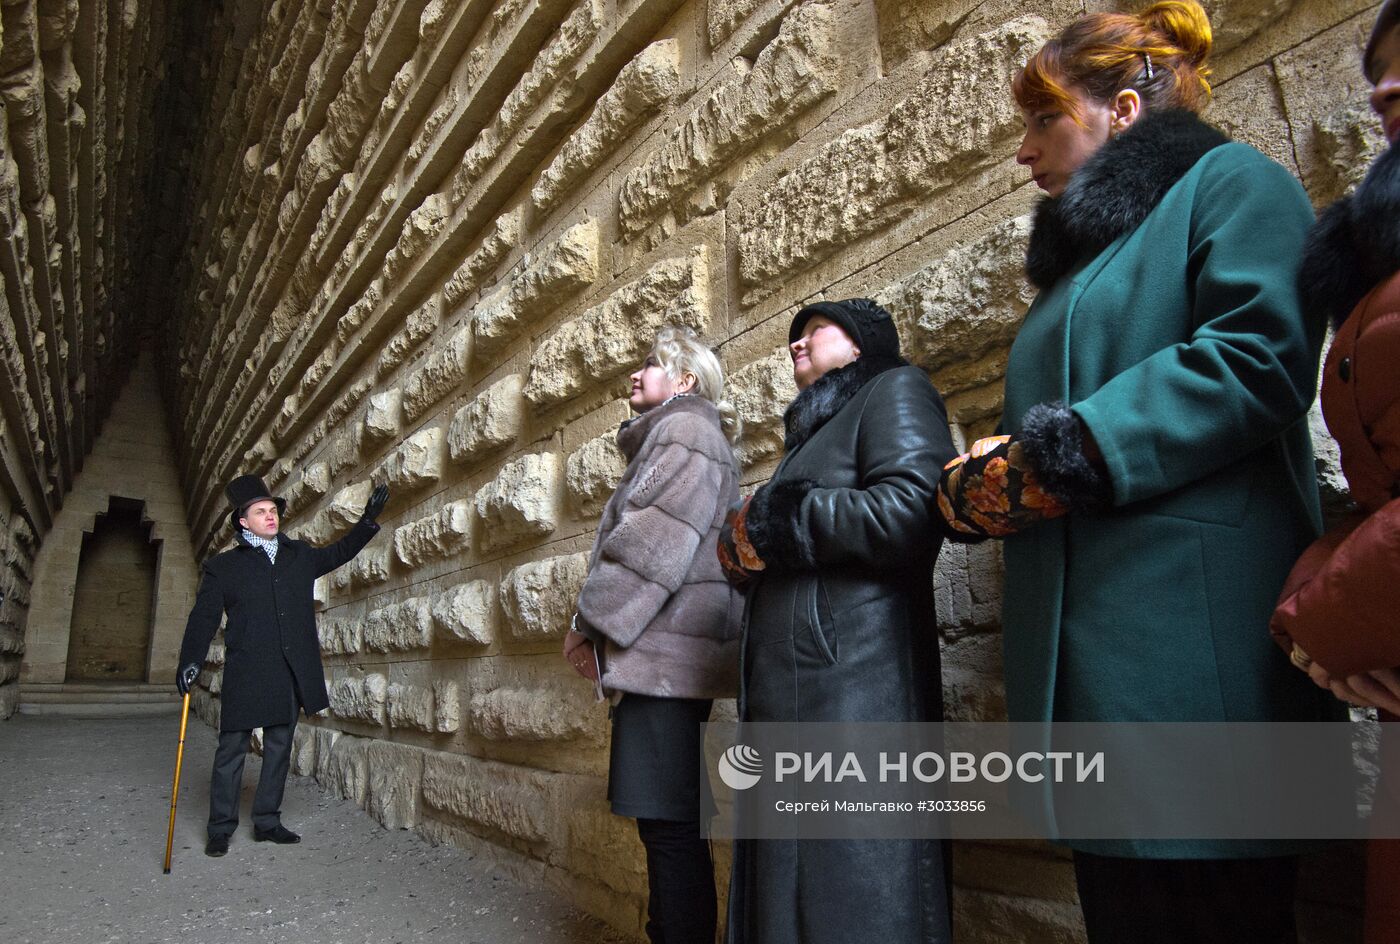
(1378, 689)
(578, 650)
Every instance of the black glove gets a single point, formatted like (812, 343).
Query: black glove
(184, 679)
(377, 500)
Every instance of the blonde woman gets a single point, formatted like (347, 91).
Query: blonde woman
(657, 625)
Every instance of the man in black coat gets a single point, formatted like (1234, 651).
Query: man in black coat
(273, 663)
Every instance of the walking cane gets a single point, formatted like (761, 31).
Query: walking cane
(175, 787)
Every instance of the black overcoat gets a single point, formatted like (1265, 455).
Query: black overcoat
(273, 661)
(841, 627)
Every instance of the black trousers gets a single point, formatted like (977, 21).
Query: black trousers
(681, 881)
(1172, 901)
(228, 778)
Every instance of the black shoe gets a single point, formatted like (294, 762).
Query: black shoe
(217, 846)
(279, 834)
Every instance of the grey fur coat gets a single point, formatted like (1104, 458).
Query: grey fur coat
(655, 589)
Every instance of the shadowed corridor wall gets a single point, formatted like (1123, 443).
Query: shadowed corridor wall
(111, 632)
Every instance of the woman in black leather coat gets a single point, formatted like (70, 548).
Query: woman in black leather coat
(840, 622)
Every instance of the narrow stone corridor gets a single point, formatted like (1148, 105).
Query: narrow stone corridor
(84, 816)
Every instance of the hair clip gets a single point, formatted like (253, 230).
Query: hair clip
(1147, 59)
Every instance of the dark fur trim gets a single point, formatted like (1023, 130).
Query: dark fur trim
(1355, 244)
(774, 525)
(1051, 439)
(824, 399)
(1115, 190)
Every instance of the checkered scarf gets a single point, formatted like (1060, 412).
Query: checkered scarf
(267, 544)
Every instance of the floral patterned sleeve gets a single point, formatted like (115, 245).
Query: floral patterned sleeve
(992, 491)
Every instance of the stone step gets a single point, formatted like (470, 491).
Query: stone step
(97, 699)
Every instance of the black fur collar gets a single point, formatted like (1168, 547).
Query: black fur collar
(1115, 190)
(825, 398)
(1355, 244)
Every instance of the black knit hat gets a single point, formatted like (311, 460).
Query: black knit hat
(245, 490)
(869, 325)
(1386, 20)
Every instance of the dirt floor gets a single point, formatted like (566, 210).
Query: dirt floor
(84, 806)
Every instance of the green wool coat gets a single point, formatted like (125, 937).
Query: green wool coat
(1182, 347)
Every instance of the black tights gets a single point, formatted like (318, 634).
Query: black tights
(681, 879)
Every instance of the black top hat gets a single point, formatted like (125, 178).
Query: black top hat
(245, 490)
(869, 325)
(1388, 18)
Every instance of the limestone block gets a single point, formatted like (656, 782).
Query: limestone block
(504, 798)
(325, 744)
(612, 337)
(973, 689)
(1234, 21)
(522, 501)
(9, 670)
(447, 708)
(538, 598)
(384, 417)
(349, 503)
(395, 776)
(724, 16)
(321, 590)
(371, 566)
(410, 706)
(557, 708)
(504, 236)
(466, 612)
(353, 320)
(440, 374)
(967, 587)
(213, 680)
(359, 698)
(648, 81)
(592, 472)
(304, 751)
(968, 303)
(557, 273)
(12, 643)
(340, 636)
(760, 392)
(1346, 142)
(1249, 108)
(417, 461)
(993, 918)
(345, 451)
(868, 177)
(400, 626)
(790, 75)
(423, 226)
(347, 773)
(490, 421)
(417, 328)
(435, 536)
(217, 654)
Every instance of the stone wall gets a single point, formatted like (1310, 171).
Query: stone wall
(428, 240)
(77, 137)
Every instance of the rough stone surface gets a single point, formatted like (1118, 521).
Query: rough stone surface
(384, 417)
(440, 374)
(562, 269)
(414, 464)
(400, 626)
(410, 706)
(466, 612)
(395, 773)
(612, 337)
(438, 535)
(868, 177)
(538, 598)
(359, 698)
(489, 422)
(592, 472)
(521, 502)
(761, 392)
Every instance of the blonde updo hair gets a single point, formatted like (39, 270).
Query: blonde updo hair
(679, 351)
(1105, 53)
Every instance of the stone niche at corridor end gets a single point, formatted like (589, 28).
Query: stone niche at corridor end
(443, 234)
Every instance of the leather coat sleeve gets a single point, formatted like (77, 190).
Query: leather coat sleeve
(1248, 370)
(1341, 603)
(205, 617)
(328, 558)
(892, 518)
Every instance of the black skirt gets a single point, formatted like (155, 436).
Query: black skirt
(654, 769)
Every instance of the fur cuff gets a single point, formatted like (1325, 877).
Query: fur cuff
(1051, 440)
(774, 523)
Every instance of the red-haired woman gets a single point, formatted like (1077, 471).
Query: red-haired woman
(1340, 613)
(1157, 482)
